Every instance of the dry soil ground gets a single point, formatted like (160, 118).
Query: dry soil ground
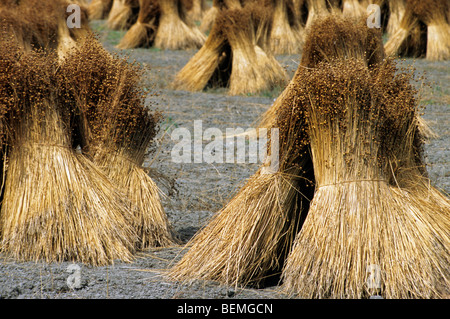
(196, 191)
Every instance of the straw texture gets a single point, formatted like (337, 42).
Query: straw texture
(236, 55)
(173, 32)
(57, 205)
(357, 219)
(117, 130)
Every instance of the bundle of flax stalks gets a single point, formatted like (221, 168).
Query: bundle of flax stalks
(330, 37)
(176, 31)
(424, 27)
(211, 13)
(409, 38)
(208, 63)
(433, 13)
(353, 8)
(170, 27)
(22, 31)
(252, 68)
(348, 125)
(56, 204)
(123, 14)
(287, 31)
(143, 32)
(236, 55)
(40, 29)
(365, 235)
(195, 9)
(315, 9)
(45, 26)
(366, 143)
(396, 12)
(99, 9)
(248, 240)
(117, 130)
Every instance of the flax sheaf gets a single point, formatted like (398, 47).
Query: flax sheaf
(372, 204)
(117, 129)
(57, 204)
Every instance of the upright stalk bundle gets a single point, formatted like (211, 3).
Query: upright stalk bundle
(143, 32)
(173, 32)
(207, 65)
(299, 10)
(197, 10)
(45, 26)
(99, 9)
(316, 9)
(358, 223)
(434, 14)
(248, 240)
(211, 14)
(209, 17)
(11, 25)
(57, 205)
(44, 20)
(236, 54)
(411, 38)
(118, 130)
(123, 14)
(253, 70)
(396, 11)
(287, 31)
(328, 38)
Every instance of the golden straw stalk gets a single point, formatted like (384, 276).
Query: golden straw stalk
(57, 205)
(175, 34)
(362, 235)
(116, 131)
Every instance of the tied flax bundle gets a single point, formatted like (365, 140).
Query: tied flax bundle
(424, 30)
(287, 31)
(99, 9)
(11, 25)
(328, 38)
(206, 64)
(248, 240)
(143, 32)
(173, 17)
(45, 26)
(316, 9)
(123, 14)
(331, 40)
(433, 14)
(196, 9)
(350, 188)
(211, 14)
(117, 130)
(57, 205)
(396, 11)
(359, 123)
(175, 30)
(236, 55)
(252, 68)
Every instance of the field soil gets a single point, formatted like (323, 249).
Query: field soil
(194, 192)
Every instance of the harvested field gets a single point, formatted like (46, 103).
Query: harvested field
(194, 192)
